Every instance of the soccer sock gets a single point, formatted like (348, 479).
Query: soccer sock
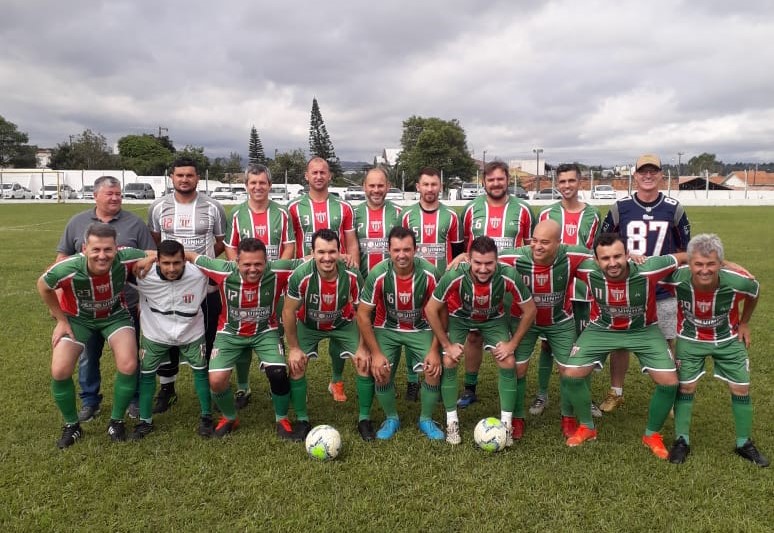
(147, 390)
(741, 407)
(661, 402)
(63, 392)
(202, 388)
(449, 389)
(166, 380)
(545, 365)
(451, 416)
(471, 380)
(225, 402)
(428, 399)
(337, 366)
(123, 390)
(683, 412)
(365, 396)
(281, 404)
(519, 392)
(617, 390)
(580, 397)
(386, 396)
(298, 397)
(243, 372)
(565, 405)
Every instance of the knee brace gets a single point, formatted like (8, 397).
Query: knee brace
(278, 379)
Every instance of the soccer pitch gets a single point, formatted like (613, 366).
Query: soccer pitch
(174, 480)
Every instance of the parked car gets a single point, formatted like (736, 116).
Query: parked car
(222, 192)
(139, 191)
(603, 192)
(278, 193)
(239, 192)
(88, 192)
(395, 194)
(518, 192)
(355, 192)
(27, 194)
(54, 192)
(12, 191)
(468, 191)
(548, 194)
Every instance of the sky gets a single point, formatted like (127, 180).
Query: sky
(596, 81)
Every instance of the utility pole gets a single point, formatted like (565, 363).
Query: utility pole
(537, 152)
(679, 160)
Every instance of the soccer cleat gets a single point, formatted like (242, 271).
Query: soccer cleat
(206, 426)
(366, 430)
(285, 430)
(142, 429)
(242, 398)
(388, 429)
(303, 427)
(133, 411)
(467, 398)
(656, 445)
(569, 426)
(337, 391)
(596, 412)
(517, 431)
(431, 429)
(226, 426)
(581, 435)
(166, 398)
(453, 433)
(611, 402)
(751, 453)
(88, 413)
(538, 405)
(412, 392)
(70, 433)
(117, 430)
(679, 452)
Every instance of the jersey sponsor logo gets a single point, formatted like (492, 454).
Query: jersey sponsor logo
(549, 299)
(404, 316)
(328, 298)
(623, 311)
(193, 242)
(571, 229)
(495, 222)
(249, 314)
(541, 279)
(618, 294)
(188, 298)
(429, 229)
(102, 288)
(375, 245)
(436, 251)
(404, 297)
(502, 242)
(322, 316)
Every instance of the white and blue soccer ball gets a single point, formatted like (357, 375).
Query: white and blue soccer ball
(490, 434)
(323, 443)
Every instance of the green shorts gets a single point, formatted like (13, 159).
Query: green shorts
(344, 340)
(154, 354)
(648, 344)
(84, 328)
(493, 331)
(730, 357)
(417, 345)
(228, 349)
(559, 336)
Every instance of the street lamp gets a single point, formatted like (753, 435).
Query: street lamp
(483, 169)
(679, 157)
(537, 152)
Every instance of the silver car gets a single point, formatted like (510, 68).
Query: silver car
(548, 194)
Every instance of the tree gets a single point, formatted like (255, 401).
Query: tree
(699, 163)
(14, 150)
(147, 155)
(87, 151)
(255, 154)
(295, 164)
(320, 144)
(437, 143)
(197, 154)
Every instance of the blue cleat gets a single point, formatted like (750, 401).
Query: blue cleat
(467, 398)
(431, 430)
(389, 429)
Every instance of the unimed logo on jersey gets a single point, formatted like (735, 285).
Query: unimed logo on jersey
(704, 306)
(495, 222)
(328, 299)
(618, 294)
(571, 229)
(541, 279)
(404, 297)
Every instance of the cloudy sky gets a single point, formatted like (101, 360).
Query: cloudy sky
(593, 81)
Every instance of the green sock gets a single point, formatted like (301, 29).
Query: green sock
(741, 407)
(243, 372)
(449, 388)
(298, 397)
(661, 402)
(63, 392)
(123, 390)
(225, 402)
(281, 405)
(386, 396)
(202, 388)
(365, 396)
(147, 391)
(683, 412)
(580, 397)
(471, 379)
(565, 405)
(511, 391)
(430, 395)
(545, 365)
(337, 367)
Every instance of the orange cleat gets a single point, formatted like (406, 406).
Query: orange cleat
(656, 445)
(337, 390)
(581, 435)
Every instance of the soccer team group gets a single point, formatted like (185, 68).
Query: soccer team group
(377, 281)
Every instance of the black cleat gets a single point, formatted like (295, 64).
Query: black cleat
(70, 433)
(206, 426)
(366, 430)
(166, 398)
(117, 430)
(242, 398)
(412, 392)
(679, 452)
(467, 398)
(142, 429)
(303, 427)
(285, 430)
(751, 453)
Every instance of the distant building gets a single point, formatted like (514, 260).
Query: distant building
(43, 157)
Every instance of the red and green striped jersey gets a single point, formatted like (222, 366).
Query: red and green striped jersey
(551, 285)
(87, 296)
(373, 226)
(577, 228)
(272, 228)
(710, 316)
(325, 305)
(308, 216)
(247, 308)
(510, 225)
(466, 298)
(629, 303)
(435, 231)
(399, 302)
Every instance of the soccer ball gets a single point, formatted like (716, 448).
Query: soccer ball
(490, 434)
(323, 443)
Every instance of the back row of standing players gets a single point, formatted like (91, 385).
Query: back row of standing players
(652, 223)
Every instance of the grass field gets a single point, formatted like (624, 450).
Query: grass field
(174, 480)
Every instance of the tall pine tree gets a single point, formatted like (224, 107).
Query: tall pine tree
(320, 144)
(255, 153)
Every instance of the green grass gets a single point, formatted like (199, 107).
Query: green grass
(173, 480)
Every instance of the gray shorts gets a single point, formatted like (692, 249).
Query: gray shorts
(666, 310)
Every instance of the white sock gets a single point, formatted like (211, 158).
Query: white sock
(617, 390)
(163, 380)
(451, 416)
(506, 418)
